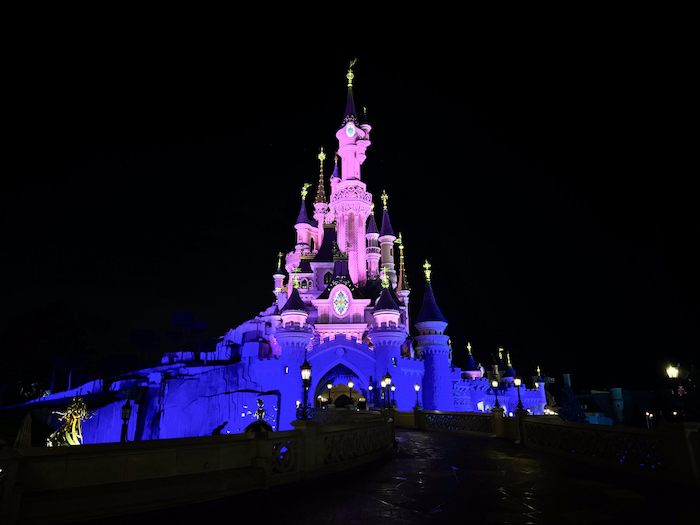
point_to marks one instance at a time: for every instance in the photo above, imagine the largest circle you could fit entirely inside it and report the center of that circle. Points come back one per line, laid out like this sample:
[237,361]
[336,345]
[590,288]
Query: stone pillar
[499,427]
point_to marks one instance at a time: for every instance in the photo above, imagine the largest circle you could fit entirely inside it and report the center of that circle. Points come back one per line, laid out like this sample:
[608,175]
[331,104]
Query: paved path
[449,478]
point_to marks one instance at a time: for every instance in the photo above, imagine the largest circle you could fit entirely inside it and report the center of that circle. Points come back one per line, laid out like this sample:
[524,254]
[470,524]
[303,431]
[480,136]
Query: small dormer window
[327,278]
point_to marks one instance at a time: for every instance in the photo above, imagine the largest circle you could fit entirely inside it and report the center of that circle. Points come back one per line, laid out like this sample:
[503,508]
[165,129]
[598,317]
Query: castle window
[312,244]
[327,278]
[393,360]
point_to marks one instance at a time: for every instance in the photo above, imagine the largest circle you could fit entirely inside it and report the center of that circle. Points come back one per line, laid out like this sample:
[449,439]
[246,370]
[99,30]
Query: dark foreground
[448,478]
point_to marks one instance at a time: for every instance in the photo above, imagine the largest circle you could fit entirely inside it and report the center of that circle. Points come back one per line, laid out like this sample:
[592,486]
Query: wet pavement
[449,478]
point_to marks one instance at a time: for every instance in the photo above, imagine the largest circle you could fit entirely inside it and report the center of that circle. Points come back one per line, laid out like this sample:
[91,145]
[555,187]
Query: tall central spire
[350,112]
[321,192]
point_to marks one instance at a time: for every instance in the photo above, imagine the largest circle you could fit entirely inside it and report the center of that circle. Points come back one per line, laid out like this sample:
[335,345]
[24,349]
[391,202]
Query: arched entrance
[340,393]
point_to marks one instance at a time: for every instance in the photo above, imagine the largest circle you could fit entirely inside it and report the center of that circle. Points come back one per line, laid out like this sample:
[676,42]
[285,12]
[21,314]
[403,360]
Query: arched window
[327,278]
[304,283]
[312,244]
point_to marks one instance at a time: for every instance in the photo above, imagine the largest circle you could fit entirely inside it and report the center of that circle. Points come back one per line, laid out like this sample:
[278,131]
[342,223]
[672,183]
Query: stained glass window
[341,303]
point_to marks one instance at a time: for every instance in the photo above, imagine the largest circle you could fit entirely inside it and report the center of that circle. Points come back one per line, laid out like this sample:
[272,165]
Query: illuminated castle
[342,304]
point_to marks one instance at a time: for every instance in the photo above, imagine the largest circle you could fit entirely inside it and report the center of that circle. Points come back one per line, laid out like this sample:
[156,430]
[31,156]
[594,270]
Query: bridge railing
[66,484]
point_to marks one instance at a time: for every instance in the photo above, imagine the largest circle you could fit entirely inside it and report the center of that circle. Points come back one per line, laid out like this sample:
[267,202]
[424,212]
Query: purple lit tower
[341,302]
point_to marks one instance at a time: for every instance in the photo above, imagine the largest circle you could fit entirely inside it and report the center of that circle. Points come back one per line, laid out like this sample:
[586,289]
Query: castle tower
[278,276]
[304,226]
[320,206]
[350,202]
[292,335]
[432,342]
[373,250]
[387,335]
[386,240]
[403,289]
[471,369]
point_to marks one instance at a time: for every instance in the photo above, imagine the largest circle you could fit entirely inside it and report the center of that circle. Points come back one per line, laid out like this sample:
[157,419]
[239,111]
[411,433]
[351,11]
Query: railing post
[499,427]
[520,416]
[421,422]
[307,446]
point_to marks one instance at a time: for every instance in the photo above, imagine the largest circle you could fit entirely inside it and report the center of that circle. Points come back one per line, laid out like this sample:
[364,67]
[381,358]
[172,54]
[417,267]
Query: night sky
[156,168]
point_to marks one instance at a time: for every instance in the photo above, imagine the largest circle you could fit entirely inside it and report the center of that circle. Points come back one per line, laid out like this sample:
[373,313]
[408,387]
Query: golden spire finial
[427,267]
[500,353]
[372,210]
[320,192]
[384,198]
[385,280]
[508,357]
[279,260]
[538,371]
[305,190]
[469,348]
[350,74]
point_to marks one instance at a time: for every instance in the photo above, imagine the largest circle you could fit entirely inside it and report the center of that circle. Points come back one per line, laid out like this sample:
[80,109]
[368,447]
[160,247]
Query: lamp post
[304,411]
[126,414]
[350,385]
[494,384]
[370,403]
[383,383]
[518,381]
[329,386]
[417,388]
[672,372]
[393,395]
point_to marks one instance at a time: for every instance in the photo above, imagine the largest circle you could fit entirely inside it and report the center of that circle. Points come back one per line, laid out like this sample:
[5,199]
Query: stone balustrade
[66,484]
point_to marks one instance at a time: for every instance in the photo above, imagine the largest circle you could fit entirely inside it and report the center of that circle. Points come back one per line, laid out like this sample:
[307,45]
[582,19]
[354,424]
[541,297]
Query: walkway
[448,478]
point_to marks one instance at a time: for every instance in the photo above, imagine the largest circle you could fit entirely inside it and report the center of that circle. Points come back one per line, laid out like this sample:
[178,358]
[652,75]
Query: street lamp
[494,384]
[673,372]
[126,414]
[383,383]
[329,385]
[518,381]
[305,411]
[370,402]
[350,385]
[417,388]
[393,391]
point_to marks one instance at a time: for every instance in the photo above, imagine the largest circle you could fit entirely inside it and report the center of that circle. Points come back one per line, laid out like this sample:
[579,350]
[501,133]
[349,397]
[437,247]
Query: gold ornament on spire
[403,278]
[279,260]
[538,371]
[384,198]
[469,348]
[508,358]
[385,280]
[350,74]
[305,190]
[427,267]
[321,192]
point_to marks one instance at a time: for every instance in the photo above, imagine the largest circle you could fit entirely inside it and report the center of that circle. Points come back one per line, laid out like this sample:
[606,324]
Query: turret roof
[325,251]
[429,311]
[295,302]
[303,217]
[350,112]
[387,300]
[386,225]
[372,225]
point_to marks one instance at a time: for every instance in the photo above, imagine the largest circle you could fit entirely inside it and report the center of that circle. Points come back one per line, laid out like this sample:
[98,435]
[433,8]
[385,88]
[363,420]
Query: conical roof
[372,225]
[303,217]
[386,225]
[387,301]
[350,112]
[295,302]
[429,311]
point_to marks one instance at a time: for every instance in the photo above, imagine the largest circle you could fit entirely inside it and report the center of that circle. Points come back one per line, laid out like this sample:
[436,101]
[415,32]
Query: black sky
[530,156]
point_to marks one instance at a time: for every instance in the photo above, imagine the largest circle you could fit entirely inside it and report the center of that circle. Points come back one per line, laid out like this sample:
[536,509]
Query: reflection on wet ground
[449,478]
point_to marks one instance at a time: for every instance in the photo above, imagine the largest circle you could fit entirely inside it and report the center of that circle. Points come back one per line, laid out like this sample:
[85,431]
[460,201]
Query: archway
[339,376]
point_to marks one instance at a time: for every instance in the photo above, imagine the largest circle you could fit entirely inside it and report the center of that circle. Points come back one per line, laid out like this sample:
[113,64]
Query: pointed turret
[350,112]
[386,240]
[374,253]
[278,276]
[429,311]
[432,343]
[303,217]
[510,373]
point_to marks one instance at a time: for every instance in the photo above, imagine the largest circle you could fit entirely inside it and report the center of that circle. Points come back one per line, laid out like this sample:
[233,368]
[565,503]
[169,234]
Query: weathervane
[350,74]
[305,190]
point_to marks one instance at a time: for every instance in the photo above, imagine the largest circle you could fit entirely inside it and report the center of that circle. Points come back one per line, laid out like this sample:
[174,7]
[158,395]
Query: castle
[341,305]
